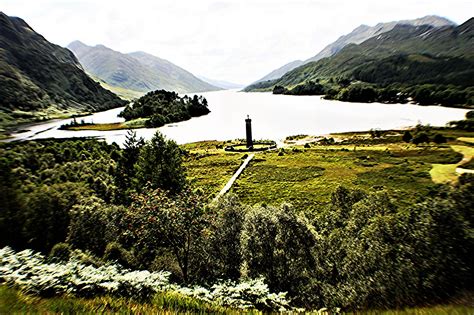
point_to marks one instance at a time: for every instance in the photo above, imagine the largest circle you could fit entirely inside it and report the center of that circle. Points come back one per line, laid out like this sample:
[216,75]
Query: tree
[421,137]
[160,165]
[125,172]
[407,137]
[375,133]
[277,243]
[158,220]
[439,139]
[11,206]
[94,224]
[278,89]
[222,257]
[47,214]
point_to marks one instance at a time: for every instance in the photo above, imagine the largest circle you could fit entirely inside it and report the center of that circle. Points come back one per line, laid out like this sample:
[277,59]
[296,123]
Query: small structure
[249,145]
[248,129]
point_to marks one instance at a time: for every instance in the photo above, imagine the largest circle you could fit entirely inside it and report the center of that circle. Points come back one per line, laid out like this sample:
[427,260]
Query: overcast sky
[233,40]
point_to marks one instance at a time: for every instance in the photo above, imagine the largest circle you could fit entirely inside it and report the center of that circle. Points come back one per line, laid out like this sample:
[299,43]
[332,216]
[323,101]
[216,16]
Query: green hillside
[358,35]
[405,56]
[41,80]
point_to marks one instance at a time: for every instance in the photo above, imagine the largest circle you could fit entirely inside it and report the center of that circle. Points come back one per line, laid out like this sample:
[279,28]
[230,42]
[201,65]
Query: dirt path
[448,173]
[234,177]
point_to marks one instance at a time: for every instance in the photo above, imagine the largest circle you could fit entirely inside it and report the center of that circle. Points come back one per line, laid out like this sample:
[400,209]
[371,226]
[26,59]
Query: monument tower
[248,129]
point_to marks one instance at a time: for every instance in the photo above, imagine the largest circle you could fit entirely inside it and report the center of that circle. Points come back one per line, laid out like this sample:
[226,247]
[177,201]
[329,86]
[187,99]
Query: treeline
[344,90]
[466,124]
[162,107]
[307,88]
[134,206]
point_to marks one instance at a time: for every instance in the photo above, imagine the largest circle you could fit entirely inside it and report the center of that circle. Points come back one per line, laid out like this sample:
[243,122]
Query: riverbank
[132,124]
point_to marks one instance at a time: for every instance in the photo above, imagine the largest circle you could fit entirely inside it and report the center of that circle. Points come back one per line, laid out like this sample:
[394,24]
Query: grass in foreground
[14,301]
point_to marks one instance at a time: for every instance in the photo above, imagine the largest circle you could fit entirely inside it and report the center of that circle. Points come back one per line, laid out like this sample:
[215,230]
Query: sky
[234,40]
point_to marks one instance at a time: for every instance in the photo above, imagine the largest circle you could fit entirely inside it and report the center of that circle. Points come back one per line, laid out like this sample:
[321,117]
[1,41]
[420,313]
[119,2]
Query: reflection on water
[273,117]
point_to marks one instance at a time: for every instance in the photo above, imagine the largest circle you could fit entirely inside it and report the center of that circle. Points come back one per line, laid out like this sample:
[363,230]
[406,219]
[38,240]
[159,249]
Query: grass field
[306,177]
[15,302]
[209,166]
[446,173]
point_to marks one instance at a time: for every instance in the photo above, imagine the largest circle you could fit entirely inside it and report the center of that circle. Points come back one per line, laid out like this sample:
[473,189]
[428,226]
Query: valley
[339,183]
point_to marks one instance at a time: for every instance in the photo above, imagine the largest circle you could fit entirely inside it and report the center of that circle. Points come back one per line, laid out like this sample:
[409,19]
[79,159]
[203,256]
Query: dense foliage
[162,107]
[466,124]
[307,88]
[359,251]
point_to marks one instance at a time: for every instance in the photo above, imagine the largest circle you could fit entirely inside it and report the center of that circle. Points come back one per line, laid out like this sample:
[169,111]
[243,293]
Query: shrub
[407,137]
[30,272]
[114,252]
[439,139]
[421,137]
[61,252]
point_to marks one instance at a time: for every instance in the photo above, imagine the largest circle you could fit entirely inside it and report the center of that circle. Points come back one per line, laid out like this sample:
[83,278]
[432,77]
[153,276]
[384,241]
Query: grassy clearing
[446,173]
[307,177]
[469,140]
[13,302]
[210,167]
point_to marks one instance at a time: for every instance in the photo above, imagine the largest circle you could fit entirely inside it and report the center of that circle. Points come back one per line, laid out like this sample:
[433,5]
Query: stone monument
[248,129]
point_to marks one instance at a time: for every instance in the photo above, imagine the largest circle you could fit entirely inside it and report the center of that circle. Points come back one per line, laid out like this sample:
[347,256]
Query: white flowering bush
[244,295]
[32,273]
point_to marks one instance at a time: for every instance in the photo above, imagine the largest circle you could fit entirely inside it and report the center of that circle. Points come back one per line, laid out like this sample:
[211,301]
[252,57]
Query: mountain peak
[77,44]
[434,20]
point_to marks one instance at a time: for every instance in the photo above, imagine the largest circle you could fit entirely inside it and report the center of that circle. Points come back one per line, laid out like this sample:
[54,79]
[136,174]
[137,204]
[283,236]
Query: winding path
[234,177]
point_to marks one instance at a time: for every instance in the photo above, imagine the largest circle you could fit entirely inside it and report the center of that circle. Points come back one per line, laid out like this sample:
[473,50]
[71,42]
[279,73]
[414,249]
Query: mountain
[357,36]
[137,71]
[41,79]
[398,51]
[364,32]
[221,84]
[278,73]
[418,62]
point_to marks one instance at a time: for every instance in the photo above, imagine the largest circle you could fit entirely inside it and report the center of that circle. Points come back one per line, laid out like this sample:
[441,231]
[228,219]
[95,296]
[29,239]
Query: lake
[273,117]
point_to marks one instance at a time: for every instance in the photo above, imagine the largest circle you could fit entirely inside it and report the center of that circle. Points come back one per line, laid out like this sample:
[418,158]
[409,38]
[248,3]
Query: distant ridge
[222,84]
[357,36]
[137,71]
